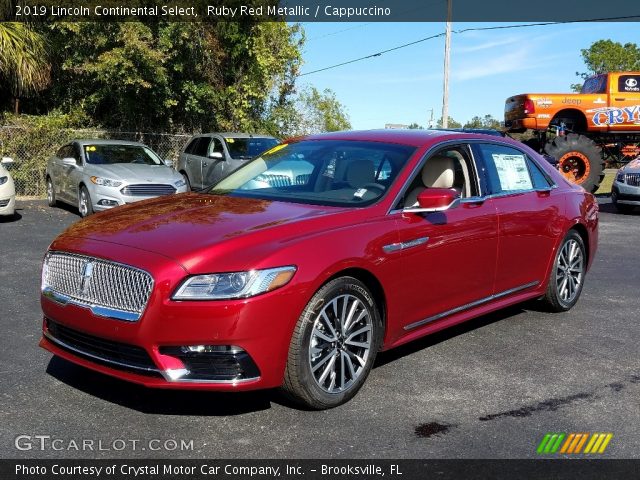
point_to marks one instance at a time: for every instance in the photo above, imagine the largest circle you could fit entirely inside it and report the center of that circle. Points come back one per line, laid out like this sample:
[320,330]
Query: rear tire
[566,278]
[333,346]
[579,160]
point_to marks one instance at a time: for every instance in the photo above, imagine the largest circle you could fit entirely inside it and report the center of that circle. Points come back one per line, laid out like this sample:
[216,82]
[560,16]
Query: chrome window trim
[470,305]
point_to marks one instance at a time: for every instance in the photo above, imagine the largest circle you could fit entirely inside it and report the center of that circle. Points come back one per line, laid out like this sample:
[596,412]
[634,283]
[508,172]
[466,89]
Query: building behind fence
[31,148]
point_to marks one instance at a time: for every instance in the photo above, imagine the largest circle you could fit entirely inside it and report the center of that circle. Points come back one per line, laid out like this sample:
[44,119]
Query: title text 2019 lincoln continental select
[297,269]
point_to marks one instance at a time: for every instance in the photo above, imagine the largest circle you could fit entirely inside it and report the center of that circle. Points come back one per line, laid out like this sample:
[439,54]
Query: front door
[449,257]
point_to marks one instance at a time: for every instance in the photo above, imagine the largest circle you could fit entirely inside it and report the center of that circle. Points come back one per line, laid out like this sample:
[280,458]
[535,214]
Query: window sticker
[512,171]
[360,192]
[90,148]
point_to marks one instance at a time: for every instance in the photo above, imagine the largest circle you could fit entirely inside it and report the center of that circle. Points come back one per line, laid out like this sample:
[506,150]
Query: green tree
[451,124]
[24,69]
[605,56]
[488,121]
[312,111]
[415,126]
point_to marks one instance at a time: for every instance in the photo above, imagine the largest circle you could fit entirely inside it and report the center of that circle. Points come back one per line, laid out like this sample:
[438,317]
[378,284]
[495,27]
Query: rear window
[597,84]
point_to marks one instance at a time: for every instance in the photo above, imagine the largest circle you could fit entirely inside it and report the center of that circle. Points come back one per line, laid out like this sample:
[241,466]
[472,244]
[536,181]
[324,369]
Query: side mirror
[7,161]
[168,162]
[216,156]
[71,162]
[435,200]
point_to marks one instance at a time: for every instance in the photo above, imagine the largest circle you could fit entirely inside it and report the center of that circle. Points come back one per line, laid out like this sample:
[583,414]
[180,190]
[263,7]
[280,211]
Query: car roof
[235,135]
[103,141]
[416,138]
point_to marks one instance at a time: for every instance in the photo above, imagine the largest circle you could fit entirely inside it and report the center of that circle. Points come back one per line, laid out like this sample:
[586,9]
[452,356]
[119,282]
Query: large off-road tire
[579,160]
[334,345]
[566,278]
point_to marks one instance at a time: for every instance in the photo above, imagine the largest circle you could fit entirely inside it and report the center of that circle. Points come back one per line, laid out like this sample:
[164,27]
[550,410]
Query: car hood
[132,172]
[193,228]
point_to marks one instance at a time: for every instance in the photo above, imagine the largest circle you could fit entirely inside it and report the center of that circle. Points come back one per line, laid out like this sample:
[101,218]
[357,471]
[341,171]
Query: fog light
[108,203]
[210,349]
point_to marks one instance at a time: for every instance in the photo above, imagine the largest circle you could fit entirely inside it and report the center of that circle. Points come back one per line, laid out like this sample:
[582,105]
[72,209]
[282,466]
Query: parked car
[96,175]
[7,189]
[208,158]
[625,190]
[391,236]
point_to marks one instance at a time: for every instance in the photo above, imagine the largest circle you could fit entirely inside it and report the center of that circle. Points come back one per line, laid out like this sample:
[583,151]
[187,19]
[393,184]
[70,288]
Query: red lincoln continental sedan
[297,269]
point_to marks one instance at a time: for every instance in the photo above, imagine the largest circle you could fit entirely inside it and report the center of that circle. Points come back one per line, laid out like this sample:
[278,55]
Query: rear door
[529,215]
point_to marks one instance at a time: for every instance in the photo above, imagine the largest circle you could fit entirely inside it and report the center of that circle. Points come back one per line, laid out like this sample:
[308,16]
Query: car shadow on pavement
[158,401]
[448,333]
[10,218]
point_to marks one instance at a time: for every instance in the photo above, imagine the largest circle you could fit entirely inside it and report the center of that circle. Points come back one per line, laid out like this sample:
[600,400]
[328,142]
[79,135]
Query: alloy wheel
[569,271]
[50,191]
[340,343]
[84,203]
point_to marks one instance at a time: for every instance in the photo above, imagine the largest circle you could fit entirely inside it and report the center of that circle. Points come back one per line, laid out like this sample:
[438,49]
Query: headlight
[220,286]
[105,182]
[620,177]
[3,180]
[180,183]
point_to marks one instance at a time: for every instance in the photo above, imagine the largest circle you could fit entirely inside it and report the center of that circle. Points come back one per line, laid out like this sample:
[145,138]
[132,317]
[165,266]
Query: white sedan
[7,189]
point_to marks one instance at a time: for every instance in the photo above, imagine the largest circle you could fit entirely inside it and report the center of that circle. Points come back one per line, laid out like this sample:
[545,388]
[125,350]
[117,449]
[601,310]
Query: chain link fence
[31,148]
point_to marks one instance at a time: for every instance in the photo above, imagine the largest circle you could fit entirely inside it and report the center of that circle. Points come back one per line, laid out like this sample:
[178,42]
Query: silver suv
[209,157]
[100,174]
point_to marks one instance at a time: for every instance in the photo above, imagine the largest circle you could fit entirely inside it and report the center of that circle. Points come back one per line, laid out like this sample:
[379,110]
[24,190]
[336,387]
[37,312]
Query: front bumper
[626,194]
[8,205]
[259,328]
[104,198]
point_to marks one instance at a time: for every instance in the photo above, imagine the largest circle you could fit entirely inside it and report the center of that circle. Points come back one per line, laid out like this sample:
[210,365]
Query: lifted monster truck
[601,123]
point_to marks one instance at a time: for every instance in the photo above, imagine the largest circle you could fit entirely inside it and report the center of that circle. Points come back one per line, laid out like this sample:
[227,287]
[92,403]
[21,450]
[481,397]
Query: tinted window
[202,147]
[217,146]
[249,147]
[597,84]
[64,152]
[191,146]
[324,172]
[629,83]
[506,168]
[540,180]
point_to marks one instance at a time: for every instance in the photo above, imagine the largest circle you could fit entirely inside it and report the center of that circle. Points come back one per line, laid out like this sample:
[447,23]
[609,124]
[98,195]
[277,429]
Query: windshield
[249,147]
[109,154]
[321,172]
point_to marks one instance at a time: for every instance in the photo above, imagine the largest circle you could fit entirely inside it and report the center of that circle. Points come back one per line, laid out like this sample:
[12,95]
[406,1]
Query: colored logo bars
[574,443]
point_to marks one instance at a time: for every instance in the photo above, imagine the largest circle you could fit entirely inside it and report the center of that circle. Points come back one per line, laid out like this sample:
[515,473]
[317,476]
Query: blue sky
[486,66]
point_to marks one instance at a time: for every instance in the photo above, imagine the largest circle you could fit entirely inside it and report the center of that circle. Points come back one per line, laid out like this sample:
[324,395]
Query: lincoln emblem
[87,271]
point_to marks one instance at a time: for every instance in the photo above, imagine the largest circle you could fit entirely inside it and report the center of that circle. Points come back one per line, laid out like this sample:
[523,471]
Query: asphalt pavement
[491,388]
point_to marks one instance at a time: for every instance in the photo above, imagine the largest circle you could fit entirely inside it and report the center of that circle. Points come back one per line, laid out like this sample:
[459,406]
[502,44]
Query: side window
[217,146]
[506,169]
[597,84]
[629,83]
[202,148]
[61,152]
[451,167]
[75,153]
[192,145]
[540,180]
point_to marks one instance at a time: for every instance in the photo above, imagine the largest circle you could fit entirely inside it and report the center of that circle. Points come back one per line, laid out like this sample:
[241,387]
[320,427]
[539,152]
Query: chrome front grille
[109,289]
[633,179]
[148,190]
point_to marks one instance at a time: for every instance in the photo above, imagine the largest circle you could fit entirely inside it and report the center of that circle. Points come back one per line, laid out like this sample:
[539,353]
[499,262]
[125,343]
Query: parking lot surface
[491,388]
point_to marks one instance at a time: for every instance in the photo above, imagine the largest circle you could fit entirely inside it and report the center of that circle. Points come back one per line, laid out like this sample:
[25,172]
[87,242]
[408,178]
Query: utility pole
[447,51]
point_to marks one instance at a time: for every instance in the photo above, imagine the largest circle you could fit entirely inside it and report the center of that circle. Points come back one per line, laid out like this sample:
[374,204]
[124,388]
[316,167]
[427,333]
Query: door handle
[204,164]
[620,99]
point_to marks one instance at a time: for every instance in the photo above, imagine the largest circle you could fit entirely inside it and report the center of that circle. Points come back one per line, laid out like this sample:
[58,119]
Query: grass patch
[607,181]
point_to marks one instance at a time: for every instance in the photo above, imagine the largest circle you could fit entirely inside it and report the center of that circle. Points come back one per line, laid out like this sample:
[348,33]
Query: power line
[475,29]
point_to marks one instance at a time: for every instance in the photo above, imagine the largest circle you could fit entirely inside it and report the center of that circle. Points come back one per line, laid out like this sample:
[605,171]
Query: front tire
[85,207]
[567,274]
[51,193]
[579,160]
[620,207]
[334,345]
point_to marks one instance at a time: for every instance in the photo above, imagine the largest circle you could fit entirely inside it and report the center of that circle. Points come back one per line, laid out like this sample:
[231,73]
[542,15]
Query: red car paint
[476,251]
